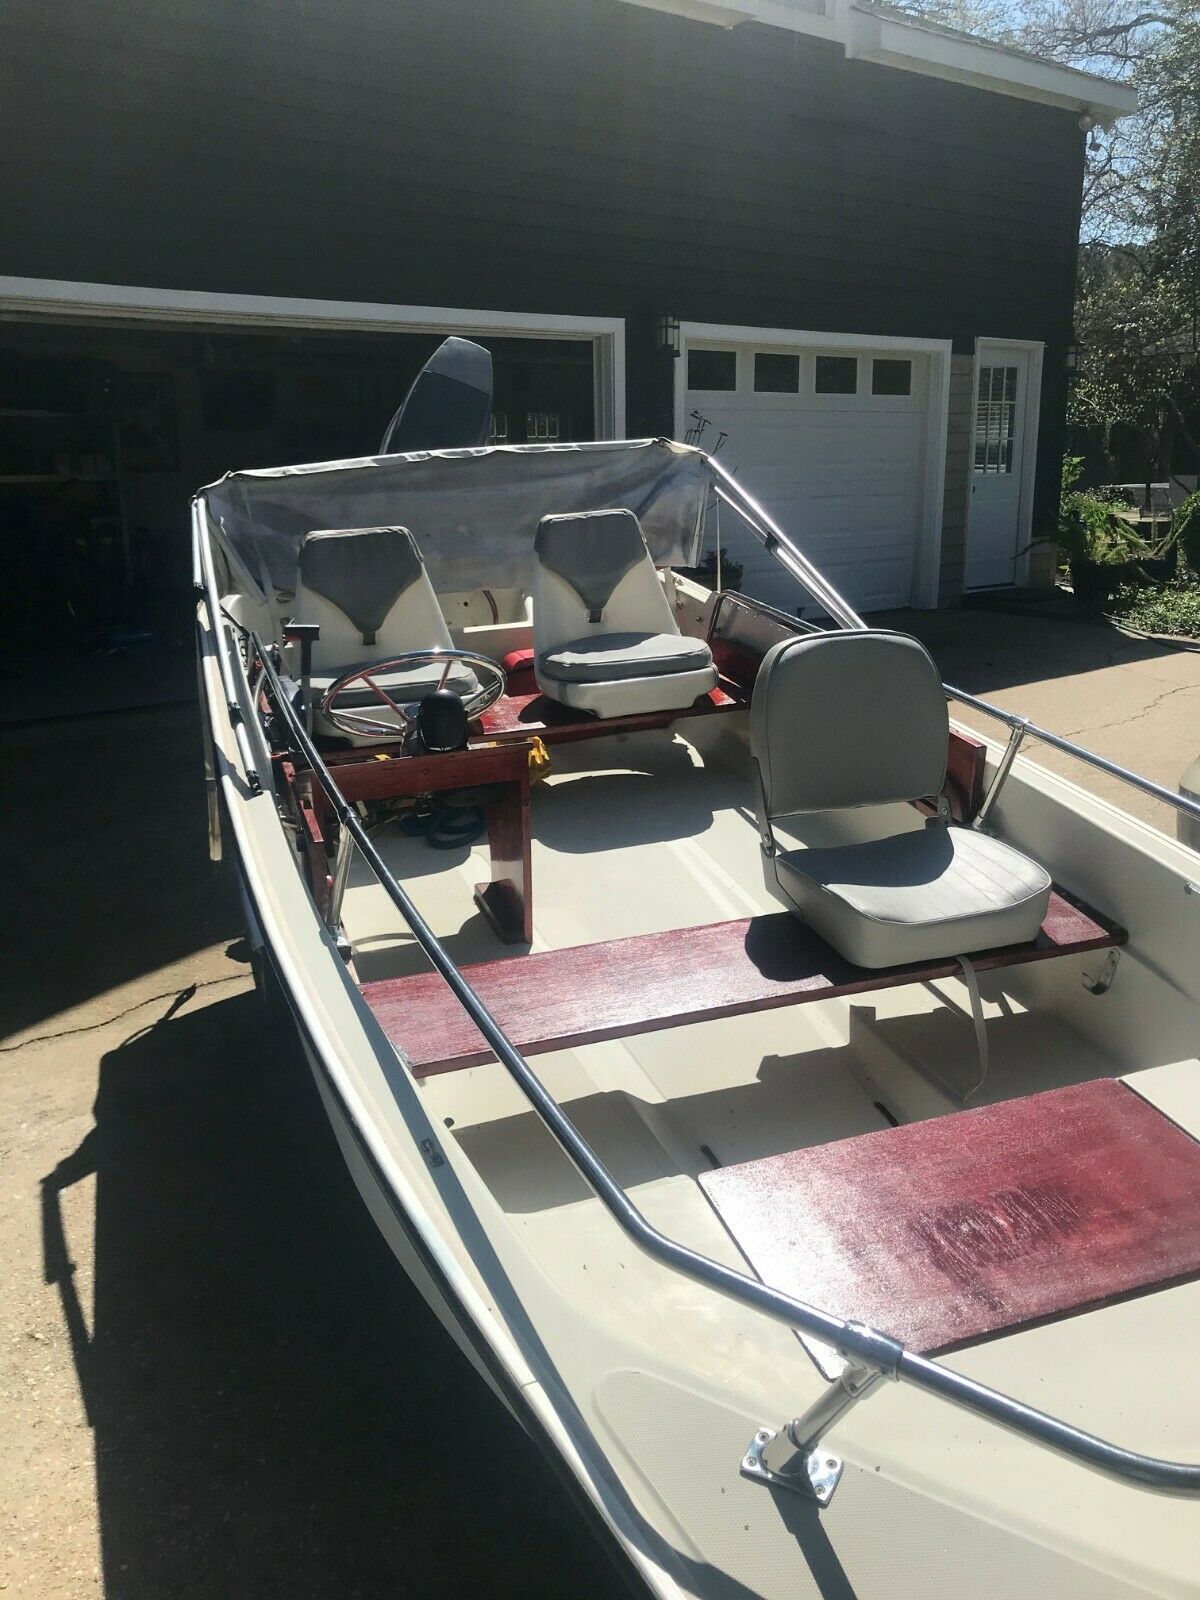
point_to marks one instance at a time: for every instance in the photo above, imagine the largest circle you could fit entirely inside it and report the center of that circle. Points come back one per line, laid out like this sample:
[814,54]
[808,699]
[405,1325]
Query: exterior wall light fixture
[666,335]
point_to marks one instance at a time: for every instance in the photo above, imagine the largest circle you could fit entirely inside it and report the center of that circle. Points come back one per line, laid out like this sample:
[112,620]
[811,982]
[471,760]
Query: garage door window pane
[891,377]
[776,374]
[712,369]
[837,374]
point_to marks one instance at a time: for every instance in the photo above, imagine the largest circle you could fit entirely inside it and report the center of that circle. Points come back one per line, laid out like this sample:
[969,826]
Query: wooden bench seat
[945,1232]
[561,998]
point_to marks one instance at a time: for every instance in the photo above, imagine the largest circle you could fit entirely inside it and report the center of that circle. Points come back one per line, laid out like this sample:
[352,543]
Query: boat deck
[648,833]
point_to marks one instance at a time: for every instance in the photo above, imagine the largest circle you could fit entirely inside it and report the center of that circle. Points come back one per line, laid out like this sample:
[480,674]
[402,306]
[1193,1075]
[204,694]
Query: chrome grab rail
[871,1353]
[1022,728]
[204,583]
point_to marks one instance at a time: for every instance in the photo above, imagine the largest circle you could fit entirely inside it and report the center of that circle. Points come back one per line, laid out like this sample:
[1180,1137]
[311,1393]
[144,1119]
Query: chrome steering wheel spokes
[428,671]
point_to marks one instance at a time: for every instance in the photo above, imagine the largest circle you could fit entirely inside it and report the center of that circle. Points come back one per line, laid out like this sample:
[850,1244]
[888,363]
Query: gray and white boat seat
[604,637]
[368,591]
[859,719]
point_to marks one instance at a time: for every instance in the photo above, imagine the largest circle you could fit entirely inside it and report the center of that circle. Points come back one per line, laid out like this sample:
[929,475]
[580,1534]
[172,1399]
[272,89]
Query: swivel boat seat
[844,720]
[604,637]
[369,594]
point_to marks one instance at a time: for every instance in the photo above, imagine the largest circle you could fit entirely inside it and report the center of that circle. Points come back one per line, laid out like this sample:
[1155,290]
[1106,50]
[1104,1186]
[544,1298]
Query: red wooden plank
[507,901]
[621,987]
[965,762]
[309,837]
[389,775]
[943,1232]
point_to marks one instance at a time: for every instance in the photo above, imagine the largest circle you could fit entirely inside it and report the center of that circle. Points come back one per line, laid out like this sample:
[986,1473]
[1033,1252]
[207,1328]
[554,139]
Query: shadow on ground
[275,1410]
[112,873]
[984,651]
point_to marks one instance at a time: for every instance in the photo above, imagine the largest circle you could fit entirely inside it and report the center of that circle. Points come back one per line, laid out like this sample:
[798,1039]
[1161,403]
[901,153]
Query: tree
[1138,304]
[1137,313]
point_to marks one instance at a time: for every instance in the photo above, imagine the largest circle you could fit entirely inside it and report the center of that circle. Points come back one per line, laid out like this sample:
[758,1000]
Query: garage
[841,440]
[111,417]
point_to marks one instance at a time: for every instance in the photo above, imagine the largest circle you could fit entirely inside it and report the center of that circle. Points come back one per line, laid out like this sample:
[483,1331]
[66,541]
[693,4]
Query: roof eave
[897,43]
[866,34]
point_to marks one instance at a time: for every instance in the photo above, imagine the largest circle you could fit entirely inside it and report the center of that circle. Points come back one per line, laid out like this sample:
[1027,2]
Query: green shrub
[1089,528]
[1172,607]
[1185,527]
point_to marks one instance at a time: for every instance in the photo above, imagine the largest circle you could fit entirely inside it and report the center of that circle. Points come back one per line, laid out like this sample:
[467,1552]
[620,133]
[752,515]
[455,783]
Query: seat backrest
[592,574]
[848,719]
[370,593]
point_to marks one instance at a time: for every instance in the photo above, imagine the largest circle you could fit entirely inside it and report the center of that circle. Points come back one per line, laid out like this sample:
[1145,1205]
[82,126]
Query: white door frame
[1035,350]
[927,573]
[55,297]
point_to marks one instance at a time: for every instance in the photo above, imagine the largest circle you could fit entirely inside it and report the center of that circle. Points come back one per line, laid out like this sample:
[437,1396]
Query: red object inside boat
[560,998]
[518,668]
[944,1232]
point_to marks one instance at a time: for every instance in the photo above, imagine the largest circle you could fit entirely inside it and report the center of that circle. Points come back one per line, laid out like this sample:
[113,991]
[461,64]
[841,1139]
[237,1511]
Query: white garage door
[832,442]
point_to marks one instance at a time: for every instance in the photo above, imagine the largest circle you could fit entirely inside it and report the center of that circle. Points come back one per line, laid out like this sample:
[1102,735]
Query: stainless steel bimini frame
[790,1457]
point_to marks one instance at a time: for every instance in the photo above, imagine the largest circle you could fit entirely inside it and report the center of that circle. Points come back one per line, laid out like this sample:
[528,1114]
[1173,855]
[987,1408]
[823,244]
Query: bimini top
[473,512]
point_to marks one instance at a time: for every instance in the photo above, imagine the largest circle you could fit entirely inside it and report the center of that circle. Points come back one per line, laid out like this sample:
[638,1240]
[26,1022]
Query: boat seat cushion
[361,571]
[605,636]
[591,551]
[841,720]
[605,657]
[916,896]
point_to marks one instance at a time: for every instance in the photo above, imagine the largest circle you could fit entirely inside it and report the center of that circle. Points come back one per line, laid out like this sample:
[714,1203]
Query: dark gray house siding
[574,156]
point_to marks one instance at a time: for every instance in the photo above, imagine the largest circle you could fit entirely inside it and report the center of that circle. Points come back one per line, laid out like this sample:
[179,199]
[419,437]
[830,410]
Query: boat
[787,1099]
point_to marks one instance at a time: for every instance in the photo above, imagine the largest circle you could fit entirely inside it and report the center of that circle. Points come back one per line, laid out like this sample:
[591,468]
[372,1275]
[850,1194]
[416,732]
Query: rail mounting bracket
[816,1476]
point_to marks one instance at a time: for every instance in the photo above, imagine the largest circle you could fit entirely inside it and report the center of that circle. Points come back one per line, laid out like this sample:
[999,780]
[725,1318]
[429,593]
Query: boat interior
[832,1005]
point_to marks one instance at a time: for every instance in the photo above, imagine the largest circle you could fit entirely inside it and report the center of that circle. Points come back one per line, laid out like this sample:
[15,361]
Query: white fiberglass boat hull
[645,1387]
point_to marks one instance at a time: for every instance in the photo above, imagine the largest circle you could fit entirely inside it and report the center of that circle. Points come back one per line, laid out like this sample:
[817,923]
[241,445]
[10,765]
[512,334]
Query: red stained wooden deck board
[582,995]
[940,1233]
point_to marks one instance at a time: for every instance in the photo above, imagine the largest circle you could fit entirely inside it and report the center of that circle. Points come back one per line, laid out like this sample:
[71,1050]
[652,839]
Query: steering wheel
[490,685]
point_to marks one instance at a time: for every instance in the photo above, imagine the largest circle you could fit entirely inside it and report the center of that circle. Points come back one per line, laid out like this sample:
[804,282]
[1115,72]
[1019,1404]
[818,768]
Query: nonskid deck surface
[638,866]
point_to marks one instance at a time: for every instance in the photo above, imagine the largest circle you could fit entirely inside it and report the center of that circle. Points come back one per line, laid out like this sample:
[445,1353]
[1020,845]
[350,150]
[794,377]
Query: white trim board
[1035,349]
[55,297]
[927,567]
[870,33]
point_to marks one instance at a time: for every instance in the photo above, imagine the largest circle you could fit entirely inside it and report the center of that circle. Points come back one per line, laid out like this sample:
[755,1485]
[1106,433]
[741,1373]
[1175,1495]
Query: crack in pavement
[179,996]
[1120,722]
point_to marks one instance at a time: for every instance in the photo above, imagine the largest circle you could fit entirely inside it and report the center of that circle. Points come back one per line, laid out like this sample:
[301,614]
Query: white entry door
[996,530]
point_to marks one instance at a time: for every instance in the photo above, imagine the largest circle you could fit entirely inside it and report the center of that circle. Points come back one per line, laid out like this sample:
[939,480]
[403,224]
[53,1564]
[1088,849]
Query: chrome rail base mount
[792,1457]
[815,1475]
[1101,982]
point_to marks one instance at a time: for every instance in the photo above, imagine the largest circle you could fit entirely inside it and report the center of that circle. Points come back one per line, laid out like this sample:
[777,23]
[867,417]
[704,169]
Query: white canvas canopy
[472,512]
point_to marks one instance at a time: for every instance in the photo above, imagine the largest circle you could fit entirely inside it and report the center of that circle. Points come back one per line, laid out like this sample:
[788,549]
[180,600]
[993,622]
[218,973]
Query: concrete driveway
[214,1380]
[1131,700]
